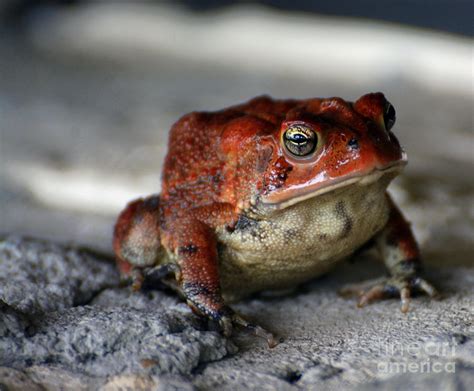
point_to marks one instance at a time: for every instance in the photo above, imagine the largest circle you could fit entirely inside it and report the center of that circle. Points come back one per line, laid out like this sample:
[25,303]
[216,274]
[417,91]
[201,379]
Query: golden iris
[300,140]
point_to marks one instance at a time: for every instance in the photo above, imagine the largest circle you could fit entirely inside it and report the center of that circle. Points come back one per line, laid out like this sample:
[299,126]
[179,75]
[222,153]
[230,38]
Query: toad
[269,194]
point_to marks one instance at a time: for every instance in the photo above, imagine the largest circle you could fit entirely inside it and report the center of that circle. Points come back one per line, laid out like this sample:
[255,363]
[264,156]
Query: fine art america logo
[417,357]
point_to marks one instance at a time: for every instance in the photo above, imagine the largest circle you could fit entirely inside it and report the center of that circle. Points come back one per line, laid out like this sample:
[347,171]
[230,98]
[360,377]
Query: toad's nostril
[353,144]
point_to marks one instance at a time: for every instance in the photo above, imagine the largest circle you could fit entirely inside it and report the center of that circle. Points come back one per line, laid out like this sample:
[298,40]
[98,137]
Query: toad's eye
[389,116]
[300,140]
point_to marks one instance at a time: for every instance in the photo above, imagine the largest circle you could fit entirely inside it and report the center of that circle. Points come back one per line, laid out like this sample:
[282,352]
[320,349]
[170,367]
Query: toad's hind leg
[136,242]
[401,255]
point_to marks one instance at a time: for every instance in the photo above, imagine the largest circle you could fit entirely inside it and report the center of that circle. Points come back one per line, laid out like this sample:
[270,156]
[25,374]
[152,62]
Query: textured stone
[115,333]
[54,378]
[15,380]
[38,277]
[101,342]
[142,382]
[330,344]
[463,379]
[98,334]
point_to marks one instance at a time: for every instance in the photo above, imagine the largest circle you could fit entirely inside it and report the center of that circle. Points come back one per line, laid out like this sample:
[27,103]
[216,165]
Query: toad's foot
[374,290]
[232,319]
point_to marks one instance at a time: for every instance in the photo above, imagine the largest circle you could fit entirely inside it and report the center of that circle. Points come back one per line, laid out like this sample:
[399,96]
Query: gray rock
[330,344]
[38,277]
[44,377]
[118,333]
[12,379]
[462,379]
[108,337]
[103,342]
[51,378]
[145,382]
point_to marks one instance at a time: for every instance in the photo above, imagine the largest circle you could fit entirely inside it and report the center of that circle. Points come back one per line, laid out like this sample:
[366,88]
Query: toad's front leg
[401,256]
[194,245]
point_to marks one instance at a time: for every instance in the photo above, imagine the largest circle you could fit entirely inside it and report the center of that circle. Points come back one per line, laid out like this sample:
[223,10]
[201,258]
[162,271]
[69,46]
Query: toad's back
[195,171]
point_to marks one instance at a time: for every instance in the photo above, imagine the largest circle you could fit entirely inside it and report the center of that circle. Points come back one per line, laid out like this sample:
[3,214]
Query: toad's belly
[301,242]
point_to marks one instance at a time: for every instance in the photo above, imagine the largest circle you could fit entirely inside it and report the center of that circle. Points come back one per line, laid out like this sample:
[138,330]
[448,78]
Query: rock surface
[99,335]
[62,310]
[39,277]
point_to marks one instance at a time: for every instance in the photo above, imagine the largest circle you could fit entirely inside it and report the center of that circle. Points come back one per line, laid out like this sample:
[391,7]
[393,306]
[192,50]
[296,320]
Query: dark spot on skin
[391,291]
[205,300]
[193,289]
[277,176]
[341,212]
[187,250]
[245,223]
[217,178]
[263,235]
[347,227]
[248,226]
[290,235]
[353,144]
[322,236]
[409,266]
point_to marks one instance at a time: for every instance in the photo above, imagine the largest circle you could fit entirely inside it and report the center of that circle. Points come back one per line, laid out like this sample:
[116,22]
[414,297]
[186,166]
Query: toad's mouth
[293,195]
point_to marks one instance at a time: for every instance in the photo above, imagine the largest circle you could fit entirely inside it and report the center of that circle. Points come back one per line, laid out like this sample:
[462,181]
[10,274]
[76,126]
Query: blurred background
[89,90]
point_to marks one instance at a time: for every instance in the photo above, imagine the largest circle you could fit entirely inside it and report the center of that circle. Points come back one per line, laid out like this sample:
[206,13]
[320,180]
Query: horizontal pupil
[299,142]
[298,138]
